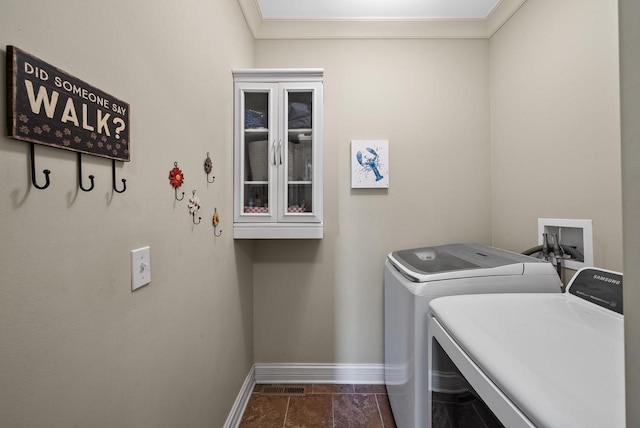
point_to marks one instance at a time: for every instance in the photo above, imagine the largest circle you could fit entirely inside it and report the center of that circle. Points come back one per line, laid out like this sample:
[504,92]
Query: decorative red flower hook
[176,178]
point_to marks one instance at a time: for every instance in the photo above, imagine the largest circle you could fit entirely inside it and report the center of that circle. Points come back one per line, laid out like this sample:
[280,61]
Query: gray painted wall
[77,347]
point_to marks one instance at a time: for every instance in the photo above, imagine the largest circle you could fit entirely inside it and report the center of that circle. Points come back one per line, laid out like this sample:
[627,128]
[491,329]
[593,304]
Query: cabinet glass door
[257,130]
[299,166]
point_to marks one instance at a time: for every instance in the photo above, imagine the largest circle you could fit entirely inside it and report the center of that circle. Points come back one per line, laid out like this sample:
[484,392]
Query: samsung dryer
[539,360]
[412,278]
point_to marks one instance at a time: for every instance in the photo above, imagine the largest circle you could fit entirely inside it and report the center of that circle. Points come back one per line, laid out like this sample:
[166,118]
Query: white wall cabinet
[278,154]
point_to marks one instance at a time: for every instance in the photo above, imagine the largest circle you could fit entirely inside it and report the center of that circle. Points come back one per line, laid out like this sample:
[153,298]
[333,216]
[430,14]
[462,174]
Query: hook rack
[91,177]
[124,181]
[33,171]
[81,185]
[208,167]
[194,206]
[216,220]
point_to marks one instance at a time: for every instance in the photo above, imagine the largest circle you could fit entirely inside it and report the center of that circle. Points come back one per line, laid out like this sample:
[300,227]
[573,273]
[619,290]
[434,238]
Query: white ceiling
[335,19]
[359,9]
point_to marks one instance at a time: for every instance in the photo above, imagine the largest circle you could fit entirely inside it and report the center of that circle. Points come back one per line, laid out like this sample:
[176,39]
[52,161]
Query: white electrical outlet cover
[140,267]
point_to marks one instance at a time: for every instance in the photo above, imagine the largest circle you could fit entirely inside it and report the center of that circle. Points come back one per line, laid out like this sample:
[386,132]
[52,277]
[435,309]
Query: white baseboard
[235,415]
[319,373]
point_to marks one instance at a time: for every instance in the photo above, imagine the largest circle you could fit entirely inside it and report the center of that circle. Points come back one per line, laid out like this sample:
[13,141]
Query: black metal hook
[33,171]
[91,177]
[178,171]
[208,166]
[216,220]
[196,207]
[124,181]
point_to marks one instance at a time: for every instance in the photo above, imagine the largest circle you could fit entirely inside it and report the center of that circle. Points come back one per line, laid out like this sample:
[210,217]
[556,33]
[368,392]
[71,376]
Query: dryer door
[454,402]
[455,380]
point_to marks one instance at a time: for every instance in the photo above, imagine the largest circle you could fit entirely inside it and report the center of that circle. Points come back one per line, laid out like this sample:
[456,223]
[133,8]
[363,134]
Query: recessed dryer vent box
[574,233]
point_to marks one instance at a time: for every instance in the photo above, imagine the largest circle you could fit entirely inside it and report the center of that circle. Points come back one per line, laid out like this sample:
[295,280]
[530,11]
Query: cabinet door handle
[280,148]
[273,150]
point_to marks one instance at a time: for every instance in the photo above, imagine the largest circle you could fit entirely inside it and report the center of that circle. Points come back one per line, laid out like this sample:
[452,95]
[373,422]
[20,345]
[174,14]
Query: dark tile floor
[318,406]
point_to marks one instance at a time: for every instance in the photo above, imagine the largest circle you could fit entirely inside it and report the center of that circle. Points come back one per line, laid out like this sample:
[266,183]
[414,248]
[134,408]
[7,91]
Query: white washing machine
[412,278]
[554,360]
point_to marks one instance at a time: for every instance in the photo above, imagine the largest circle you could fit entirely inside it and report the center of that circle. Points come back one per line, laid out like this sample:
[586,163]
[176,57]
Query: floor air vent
[283,390]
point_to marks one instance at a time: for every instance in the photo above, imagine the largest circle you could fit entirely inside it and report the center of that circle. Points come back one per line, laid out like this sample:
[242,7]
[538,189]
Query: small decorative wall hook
[176,178]
[91,177]
[208,167]
[124,181]
[46,172]
[194,206]
[216,220]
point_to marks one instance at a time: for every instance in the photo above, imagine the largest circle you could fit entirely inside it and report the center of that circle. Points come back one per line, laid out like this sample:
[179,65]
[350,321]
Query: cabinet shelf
[294,131]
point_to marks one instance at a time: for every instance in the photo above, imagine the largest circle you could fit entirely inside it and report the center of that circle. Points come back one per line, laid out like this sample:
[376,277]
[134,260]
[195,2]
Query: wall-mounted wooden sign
[51,107]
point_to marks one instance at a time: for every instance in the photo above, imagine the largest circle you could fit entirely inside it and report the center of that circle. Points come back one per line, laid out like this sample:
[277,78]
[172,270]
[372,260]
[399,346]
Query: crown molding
[403,28]
[501,14]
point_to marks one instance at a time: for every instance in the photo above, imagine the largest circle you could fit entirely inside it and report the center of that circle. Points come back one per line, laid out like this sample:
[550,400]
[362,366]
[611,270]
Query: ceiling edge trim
[501,14]
[252,15]
[262,28]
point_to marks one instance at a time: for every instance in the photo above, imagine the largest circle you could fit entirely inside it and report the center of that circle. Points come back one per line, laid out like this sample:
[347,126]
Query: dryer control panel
[598,286]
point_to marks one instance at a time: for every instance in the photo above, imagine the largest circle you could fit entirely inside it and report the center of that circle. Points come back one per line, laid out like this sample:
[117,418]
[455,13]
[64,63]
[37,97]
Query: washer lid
[557,357]
[461,260]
